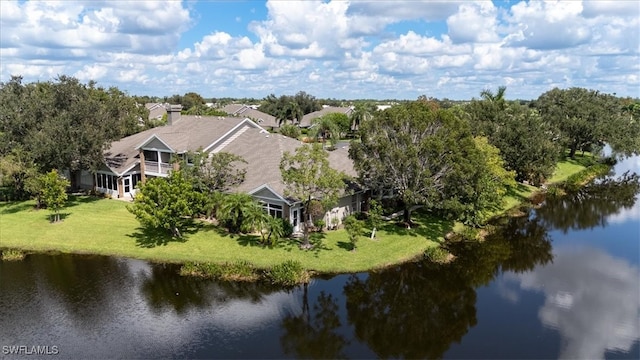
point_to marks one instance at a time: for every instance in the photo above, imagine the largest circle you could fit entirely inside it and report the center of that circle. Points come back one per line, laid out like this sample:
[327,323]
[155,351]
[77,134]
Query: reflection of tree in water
[590,206]
[413,311]
[86,284]
[164,288]
[312,334]
[417,310]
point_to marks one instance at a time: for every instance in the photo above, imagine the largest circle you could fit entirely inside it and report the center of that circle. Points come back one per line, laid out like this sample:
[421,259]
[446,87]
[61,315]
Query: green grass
[102,226]
[568,167]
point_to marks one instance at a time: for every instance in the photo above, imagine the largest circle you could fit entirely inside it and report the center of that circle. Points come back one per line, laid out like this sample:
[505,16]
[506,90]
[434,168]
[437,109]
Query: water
[561,282]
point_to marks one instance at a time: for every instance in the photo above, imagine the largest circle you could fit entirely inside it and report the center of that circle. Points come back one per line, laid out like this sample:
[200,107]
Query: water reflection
[312,333]
[592,299]
[592,205]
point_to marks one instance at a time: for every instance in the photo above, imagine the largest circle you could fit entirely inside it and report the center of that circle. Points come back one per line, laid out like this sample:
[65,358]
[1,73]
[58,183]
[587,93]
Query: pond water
[562,281]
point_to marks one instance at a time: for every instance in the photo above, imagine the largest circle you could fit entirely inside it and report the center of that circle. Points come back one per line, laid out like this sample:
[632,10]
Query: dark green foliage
[290,108]
[527,143]
[234,211]
[166,203]
[307,177]
[213,172]
[424,156]
[588,118]
[375,217]
[64,124]
[354,229]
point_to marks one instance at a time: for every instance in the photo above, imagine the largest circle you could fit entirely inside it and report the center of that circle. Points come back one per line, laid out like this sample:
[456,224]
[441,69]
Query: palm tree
[234,209]
[291,111]
[361,112]
[497,98]
[324,127]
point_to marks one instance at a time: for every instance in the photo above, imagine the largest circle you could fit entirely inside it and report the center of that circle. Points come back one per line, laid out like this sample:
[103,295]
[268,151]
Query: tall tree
[308,176]
[587,118]
[362,112]
[414,152]
[166,203]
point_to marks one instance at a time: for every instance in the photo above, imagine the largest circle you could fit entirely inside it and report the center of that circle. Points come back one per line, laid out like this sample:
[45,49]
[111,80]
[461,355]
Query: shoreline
[395,245]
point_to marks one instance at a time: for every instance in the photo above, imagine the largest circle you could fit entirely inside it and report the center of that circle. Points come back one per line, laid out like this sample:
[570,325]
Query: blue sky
[337,49]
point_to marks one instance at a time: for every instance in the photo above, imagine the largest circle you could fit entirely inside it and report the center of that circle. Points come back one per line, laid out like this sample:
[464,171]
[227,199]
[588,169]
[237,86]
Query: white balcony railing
[157,167]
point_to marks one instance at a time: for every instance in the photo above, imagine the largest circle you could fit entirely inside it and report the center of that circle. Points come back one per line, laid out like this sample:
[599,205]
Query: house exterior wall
[346,206]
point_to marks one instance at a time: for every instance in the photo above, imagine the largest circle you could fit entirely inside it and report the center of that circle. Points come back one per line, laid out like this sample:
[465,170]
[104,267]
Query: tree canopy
[166,203]
[424,157]
[308,176]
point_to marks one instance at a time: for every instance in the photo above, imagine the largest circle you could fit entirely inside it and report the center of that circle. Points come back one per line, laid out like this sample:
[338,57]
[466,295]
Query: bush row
[288,273]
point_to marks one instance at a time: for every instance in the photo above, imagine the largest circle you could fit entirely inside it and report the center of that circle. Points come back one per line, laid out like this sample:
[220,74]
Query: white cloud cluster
[594,304]
[380,49]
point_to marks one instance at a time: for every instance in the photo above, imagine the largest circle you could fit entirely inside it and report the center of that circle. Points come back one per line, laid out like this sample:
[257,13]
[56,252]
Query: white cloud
[383,49]
[594,304]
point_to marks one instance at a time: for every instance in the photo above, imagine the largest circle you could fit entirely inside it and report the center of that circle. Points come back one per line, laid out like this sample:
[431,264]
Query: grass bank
[101,226]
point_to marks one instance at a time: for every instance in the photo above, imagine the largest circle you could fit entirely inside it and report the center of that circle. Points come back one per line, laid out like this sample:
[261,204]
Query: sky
[329,49]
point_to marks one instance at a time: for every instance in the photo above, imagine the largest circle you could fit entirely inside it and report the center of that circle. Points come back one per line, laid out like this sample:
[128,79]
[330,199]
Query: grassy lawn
[102,226]
[568,167]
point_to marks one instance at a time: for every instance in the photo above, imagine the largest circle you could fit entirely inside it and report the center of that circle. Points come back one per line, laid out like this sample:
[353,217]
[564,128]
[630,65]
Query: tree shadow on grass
[75,200]
[241,238]
[49,216]
[423,224]
[152,237]
[15,207]
[345,245]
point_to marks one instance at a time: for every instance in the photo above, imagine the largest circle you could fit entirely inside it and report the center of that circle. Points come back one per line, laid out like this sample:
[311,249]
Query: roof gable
[155,143]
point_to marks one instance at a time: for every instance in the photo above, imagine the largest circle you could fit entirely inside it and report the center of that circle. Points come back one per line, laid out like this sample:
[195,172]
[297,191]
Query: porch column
[159,162]
[142,175]
[120,187]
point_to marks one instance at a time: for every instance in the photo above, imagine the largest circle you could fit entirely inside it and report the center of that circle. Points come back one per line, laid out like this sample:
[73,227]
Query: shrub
[291,131]
[287,228]
[354,229]
[288,273]
[319,224]
[437,254]
[12,255]
[240,270]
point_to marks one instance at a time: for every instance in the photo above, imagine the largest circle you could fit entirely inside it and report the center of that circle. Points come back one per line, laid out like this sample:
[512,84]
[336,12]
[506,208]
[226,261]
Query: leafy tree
[414,152]
[54,192]
[489,183]
[64,124]
[214,172]
[16,170]
[191,99]
[587,118]
[308,176]
[354,228]
[166,203]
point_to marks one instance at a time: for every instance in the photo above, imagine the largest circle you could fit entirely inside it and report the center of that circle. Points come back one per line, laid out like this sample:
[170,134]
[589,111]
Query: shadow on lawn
[424,225]
[15,207]
[152,237]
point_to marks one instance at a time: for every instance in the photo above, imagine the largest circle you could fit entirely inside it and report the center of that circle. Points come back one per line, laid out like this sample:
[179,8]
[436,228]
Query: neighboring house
[250,111]
[150,153]
[156,110]
[307,120]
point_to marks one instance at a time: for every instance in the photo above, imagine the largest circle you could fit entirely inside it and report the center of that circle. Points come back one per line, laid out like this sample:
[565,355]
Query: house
[156,110]
[150,153]
[307,120]
[251,112]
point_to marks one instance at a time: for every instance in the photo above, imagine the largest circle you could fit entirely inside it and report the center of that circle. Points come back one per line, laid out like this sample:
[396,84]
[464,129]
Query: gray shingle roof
[187,134]
[245,111]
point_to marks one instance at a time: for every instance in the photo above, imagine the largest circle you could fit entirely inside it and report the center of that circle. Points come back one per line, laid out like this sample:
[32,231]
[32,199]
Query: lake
[563,281]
